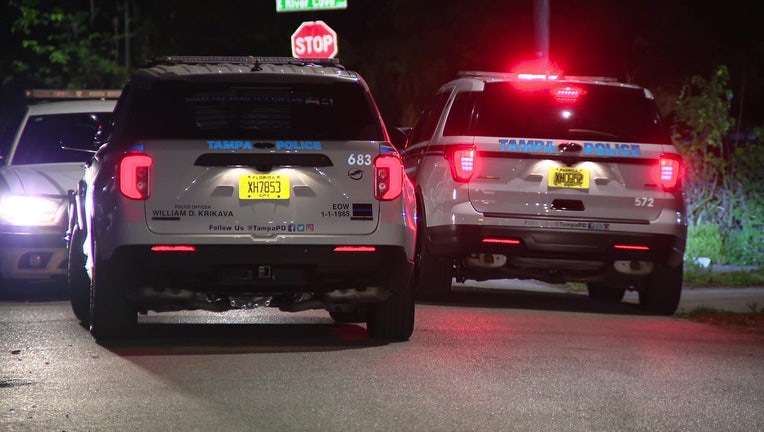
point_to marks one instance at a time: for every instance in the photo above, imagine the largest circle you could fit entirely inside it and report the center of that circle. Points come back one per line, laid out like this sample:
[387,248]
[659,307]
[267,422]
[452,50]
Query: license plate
[264,186]
[566,177]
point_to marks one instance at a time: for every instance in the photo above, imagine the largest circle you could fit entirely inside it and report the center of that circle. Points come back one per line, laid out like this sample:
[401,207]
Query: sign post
[314,39]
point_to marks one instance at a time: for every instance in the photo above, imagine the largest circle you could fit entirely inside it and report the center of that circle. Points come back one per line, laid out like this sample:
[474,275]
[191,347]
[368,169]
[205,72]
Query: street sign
[309,5]
[314,39]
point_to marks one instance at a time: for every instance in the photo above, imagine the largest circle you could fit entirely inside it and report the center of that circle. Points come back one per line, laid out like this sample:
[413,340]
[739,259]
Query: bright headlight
[28,210]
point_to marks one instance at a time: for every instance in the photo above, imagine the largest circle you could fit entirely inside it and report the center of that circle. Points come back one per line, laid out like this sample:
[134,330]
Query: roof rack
[72,94]
[244,60]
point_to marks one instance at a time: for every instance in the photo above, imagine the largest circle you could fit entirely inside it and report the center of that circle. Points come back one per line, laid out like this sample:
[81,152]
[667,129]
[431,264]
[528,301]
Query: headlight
[28,210]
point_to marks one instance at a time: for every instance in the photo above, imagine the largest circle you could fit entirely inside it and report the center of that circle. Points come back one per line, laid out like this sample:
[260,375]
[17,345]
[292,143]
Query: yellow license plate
[566,177]
[264,186]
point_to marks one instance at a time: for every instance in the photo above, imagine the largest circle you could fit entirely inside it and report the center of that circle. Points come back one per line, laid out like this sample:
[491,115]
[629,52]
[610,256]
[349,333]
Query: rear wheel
[111,315]
[433,275]
[604,292]
[78,283]
[393,319]
[661,290]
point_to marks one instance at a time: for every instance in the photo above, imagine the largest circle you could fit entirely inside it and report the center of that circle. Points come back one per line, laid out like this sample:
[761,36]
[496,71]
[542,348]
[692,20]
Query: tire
[433,275]
[111,315]
[77,280]
[605,293]
[393,319]
[661,290]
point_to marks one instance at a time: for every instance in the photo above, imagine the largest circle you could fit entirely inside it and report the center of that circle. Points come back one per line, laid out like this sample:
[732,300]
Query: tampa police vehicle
[42,159]
[525,175]
[238,182]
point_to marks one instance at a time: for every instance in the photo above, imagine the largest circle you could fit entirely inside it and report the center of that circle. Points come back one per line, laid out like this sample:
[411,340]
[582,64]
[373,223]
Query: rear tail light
[668,171]
[462,160]
[388,177]
[505,241]
[135,176]
[631,247]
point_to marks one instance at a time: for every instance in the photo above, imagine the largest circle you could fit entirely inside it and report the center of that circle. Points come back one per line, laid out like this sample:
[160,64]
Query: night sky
[406,48]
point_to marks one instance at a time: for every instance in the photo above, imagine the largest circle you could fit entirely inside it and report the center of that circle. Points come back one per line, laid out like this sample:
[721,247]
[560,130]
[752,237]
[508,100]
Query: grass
[698,277]
[750,321]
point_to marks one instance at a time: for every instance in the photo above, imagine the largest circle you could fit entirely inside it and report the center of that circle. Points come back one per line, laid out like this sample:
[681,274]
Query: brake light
[388,177]
[631,247]
[462,160]
[173,248]
[568,94]
[135,176]
[668,171]
[506,241]
[355,249]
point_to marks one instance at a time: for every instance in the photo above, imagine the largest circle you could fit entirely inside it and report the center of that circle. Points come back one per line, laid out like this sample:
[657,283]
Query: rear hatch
[259,154]
[568,150]
[263,189]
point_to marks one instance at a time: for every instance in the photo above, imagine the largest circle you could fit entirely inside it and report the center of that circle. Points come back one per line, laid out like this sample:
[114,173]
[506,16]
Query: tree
[65,46]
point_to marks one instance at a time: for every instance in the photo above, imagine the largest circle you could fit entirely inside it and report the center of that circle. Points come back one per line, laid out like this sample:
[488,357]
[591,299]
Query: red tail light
[668,171]
[388,177]
[506,241]
[462,160]
[135,176]
[173,248]
[355,249]
[631,247]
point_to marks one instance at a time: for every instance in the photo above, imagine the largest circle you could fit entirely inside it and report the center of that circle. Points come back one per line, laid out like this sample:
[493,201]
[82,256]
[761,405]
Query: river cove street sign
[309,5]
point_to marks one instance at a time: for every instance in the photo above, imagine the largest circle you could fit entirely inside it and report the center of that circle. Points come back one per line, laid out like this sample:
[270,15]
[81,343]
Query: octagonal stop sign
[314,39]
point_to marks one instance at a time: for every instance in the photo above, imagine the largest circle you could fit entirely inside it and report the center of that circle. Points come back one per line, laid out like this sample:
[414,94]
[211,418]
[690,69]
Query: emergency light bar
[72,94]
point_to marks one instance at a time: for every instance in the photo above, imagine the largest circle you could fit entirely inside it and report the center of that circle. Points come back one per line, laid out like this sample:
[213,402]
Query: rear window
[601,112]
[204,110]
[44,136]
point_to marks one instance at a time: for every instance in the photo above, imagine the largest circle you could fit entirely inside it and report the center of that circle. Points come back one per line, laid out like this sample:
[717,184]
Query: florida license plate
[567,177]
[264,186]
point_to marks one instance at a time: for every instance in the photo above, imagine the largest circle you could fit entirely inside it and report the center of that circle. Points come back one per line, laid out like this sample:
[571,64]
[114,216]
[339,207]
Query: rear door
[566,150]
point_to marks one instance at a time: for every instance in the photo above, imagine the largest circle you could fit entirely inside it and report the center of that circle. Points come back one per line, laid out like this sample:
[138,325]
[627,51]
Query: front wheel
[393,319]
[78,282]
[661,290]
[111,315]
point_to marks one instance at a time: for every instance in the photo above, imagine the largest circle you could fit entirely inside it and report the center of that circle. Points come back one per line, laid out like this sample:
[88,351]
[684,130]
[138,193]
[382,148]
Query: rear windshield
[204,110]
[44,136]
[600,112]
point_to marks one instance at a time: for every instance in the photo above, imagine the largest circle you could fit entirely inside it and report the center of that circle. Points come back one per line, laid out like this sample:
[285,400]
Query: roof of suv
[167,67]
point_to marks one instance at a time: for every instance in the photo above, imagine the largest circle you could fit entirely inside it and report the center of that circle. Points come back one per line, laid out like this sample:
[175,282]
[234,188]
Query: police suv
[43,154]
[523,175]
[239,182]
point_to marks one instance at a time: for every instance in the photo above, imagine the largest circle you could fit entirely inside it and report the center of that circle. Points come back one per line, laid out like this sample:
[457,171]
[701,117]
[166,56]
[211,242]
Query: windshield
[44,135]
[602,112]
[179,110]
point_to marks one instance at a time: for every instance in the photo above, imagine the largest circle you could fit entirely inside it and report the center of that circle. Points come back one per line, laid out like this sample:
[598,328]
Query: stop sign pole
[314,39]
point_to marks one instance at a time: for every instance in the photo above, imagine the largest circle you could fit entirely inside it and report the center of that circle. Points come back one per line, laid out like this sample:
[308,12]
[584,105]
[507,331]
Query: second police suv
[523,175]
[238,182]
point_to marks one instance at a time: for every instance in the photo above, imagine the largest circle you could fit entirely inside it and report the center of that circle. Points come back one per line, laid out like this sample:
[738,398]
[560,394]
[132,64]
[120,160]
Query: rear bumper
[461,240]
[262,269]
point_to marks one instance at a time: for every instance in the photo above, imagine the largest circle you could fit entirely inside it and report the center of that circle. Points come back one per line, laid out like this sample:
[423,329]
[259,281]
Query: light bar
[72,94]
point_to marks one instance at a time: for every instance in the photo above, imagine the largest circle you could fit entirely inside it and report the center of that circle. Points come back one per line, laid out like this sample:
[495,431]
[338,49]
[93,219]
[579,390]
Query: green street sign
[309,5]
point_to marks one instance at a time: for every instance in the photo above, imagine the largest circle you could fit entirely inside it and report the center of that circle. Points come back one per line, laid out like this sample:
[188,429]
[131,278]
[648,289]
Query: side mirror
[399,136]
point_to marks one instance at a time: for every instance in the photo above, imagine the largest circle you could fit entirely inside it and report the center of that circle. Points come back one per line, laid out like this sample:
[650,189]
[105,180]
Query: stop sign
[314,39]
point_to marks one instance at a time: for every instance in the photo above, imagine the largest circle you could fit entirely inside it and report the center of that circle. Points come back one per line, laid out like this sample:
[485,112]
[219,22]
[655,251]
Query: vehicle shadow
[472,296]
[34,292]
[185,338]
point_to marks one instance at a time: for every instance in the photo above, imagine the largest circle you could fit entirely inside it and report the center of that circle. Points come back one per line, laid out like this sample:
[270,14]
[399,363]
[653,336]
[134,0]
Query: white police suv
[522,175]
[239,182]
[43,158]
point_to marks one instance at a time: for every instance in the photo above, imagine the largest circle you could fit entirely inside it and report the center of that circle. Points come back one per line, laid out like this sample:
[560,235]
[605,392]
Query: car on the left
[41,160]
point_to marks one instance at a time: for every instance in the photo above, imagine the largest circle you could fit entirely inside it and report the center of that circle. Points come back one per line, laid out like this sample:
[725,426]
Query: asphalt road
[488,360]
